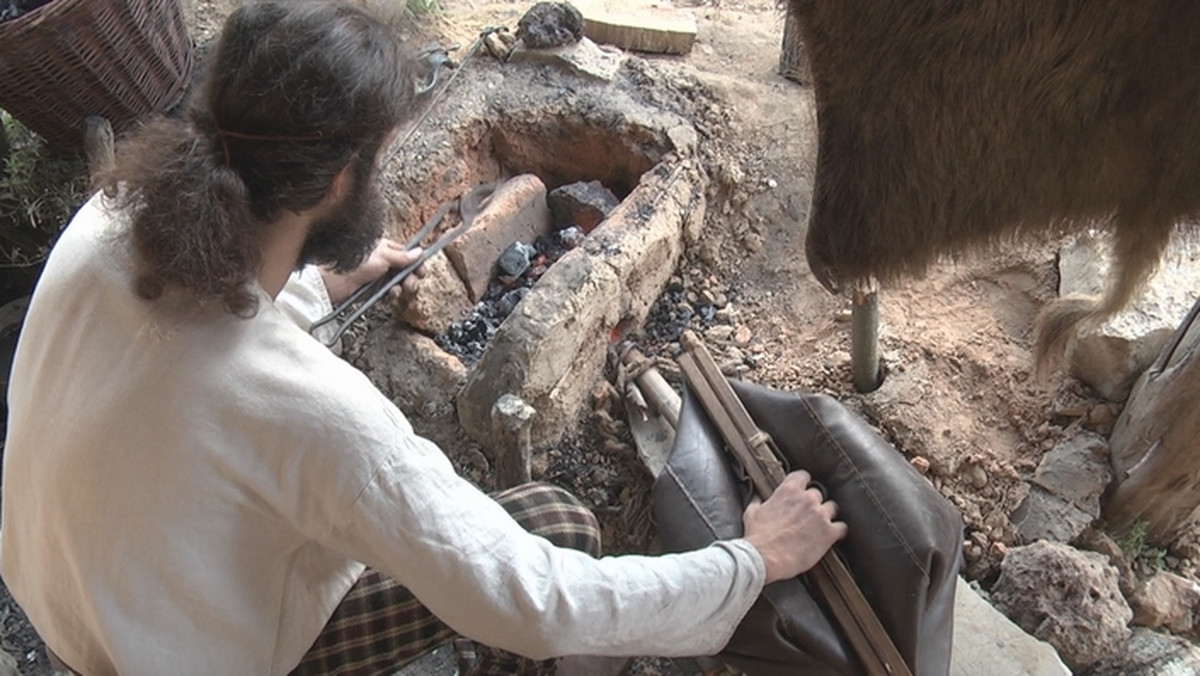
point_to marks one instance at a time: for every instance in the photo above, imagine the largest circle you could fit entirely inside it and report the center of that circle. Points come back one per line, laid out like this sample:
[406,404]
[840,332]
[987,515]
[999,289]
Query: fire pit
[555,127]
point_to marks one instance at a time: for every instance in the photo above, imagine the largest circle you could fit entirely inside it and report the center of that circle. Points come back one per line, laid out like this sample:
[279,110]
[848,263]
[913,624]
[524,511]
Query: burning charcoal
[570,236]
[550,24]
[508,302]
[550,247]
[584,204]
[515,259]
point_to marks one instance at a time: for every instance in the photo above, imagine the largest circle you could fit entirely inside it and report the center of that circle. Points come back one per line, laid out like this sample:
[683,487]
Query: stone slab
[582,58]
[639,27]
[986,643]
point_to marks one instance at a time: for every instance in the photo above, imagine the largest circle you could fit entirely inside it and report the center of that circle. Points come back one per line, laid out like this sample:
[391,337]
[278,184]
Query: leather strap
[759,458]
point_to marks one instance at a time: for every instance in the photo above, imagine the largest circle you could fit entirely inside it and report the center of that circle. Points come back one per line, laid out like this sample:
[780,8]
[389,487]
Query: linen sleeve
[303,298]
[475,568]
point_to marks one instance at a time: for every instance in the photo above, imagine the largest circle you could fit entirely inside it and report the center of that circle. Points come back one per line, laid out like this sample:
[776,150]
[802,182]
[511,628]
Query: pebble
[753,242]
[1101,414]
[720,332]
[714,298]
[734,354]
[742,335]
[772,183]
[920,463]
[1071,411]
[976,475]
[998,550]
[725,315]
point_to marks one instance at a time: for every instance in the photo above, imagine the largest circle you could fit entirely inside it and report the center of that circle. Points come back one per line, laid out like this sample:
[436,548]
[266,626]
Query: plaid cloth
[379,625]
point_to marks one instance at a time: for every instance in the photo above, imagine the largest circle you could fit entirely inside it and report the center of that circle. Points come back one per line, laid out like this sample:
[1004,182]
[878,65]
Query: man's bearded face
[343,239]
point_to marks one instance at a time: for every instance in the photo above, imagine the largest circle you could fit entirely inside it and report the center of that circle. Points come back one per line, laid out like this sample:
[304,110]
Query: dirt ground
[960,397]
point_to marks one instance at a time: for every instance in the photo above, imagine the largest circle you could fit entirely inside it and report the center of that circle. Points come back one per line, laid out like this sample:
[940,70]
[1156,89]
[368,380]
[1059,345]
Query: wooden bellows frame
[758,456]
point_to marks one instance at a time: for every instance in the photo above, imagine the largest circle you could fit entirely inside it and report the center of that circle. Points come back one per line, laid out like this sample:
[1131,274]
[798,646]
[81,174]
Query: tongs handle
[467,206]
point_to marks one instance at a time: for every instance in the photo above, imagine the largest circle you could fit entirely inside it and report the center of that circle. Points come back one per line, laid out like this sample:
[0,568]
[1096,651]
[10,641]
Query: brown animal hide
[948,124]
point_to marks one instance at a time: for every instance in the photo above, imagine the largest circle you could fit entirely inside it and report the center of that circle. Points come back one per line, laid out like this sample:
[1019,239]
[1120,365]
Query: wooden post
[1154,443]
[511,419]
[4,146]
[98,145]
[864,339]
[793,57]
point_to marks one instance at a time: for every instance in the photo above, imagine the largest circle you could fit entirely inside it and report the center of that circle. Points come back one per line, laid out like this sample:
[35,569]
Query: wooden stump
[4,146]
[1156,440]
[793,57]
[98,145]
[511,418]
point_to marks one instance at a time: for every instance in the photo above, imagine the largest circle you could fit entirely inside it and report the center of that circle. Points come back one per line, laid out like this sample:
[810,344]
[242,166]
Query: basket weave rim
[36,16]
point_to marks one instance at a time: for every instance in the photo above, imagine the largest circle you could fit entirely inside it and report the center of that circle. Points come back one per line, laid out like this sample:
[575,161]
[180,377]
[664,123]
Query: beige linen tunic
[189,492]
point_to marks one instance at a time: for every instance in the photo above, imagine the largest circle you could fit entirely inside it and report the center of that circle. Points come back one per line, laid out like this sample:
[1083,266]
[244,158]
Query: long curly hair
[294,93]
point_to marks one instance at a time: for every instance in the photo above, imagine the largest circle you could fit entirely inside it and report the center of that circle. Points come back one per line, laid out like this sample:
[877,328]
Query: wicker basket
[69,59]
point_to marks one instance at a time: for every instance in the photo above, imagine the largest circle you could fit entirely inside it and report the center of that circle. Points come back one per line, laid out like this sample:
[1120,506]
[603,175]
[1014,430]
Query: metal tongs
[467,206]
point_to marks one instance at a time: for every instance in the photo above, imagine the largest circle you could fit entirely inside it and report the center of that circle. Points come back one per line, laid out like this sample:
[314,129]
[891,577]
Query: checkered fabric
[379,625]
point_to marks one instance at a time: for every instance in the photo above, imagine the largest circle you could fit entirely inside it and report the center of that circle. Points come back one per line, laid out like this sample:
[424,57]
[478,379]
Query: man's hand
[793,529]
[387,255]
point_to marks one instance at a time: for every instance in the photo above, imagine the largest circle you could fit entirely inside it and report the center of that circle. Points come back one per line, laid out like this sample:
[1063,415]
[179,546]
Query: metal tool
[467,206]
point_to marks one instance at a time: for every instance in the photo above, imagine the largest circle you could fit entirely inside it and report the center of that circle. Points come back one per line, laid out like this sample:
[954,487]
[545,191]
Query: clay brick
[516,211]
[439,299]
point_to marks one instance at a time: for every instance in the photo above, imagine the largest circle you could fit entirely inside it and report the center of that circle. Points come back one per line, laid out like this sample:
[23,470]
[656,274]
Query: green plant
[1136,545]
[39,190]
[418,9]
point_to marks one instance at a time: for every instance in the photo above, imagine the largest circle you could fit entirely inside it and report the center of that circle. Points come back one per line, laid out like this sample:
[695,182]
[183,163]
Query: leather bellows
[903,548]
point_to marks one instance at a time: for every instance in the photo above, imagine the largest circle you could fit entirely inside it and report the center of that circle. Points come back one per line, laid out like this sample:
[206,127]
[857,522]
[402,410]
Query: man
[192,484]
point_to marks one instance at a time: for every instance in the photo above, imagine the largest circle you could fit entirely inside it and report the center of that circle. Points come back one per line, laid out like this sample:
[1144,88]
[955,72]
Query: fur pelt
[949,124]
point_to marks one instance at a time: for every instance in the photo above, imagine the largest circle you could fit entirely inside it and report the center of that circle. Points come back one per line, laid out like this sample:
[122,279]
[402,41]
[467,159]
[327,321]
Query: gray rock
[584,204]
[1166,600]
[550,24]
[1064,496]
[1066,597]
[1149,653]
[1045,516]
[1109,357]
